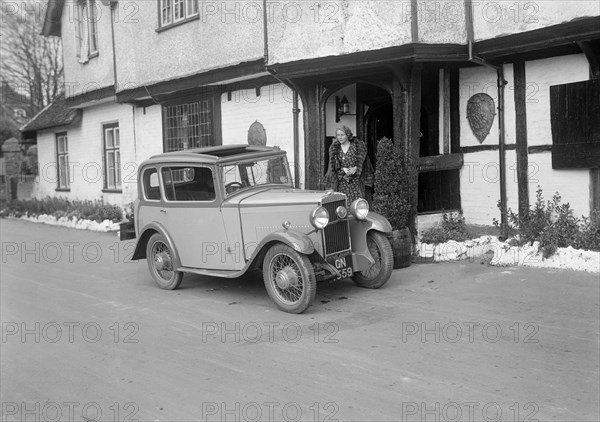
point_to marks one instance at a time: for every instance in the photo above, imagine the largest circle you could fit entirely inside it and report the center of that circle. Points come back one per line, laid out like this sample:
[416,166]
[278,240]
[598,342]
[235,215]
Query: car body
[222,211]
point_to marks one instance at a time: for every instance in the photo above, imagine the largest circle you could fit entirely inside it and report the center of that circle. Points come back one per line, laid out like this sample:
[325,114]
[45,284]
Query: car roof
[223,154]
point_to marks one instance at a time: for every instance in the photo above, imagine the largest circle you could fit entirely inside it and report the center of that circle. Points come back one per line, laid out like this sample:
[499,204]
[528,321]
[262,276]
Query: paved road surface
[85,334]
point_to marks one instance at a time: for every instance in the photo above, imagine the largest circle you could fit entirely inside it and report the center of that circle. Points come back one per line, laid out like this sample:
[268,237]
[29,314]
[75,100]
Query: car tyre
[289,278]
[161,263]
[381,271]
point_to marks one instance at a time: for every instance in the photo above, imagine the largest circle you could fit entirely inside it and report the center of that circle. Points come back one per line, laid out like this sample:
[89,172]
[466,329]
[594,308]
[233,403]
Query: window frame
[116,150]
[190,10]
[86,21]
[178,167]
[62,184]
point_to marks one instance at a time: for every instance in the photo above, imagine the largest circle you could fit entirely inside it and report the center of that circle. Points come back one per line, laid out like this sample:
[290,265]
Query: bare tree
[31,62]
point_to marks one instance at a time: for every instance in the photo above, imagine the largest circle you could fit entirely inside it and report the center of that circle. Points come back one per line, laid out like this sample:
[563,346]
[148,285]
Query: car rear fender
[147,232]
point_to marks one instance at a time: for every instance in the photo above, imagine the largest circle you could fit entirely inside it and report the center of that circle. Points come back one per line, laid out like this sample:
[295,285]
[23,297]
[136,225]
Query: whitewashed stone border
[495,252]
[74,223]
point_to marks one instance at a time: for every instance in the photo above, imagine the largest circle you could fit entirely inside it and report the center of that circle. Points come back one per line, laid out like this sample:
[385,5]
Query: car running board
[213,273]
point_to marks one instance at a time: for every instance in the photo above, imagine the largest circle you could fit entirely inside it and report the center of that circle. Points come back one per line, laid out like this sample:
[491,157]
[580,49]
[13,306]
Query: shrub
[391,186]
[60,207]
[555,226]
[453,227]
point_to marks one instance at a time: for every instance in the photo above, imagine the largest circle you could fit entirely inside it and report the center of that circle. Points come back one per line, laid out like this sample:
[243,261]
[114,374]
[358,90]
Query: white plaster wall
[441,21]
[85,156]
[227,32]
[474,80]
[480,187]
[541,74]
[302,30]
[572,185]
[273,109]
[98,71]
[497,18]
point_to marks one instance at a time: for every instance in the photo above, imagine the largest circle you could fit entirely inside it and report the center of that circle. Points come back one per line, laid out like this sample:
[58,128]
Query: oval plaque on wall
[257,135]
[480,114]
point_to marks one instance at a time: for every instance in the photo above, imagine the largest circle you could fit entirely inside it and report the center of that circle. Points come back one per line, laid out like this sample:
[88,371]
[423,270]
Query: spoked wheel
[161,263]
[289,278]
[380,272]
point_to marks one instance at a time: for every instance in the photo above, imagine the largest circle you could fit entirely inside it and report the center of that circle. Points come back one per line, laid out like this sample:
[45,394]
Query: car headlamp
[319,218]
[360,209]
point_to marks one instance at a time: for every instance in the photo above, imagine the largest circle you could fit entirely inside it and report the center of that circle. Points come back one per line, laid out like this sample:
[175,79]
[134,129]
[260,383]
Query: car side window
[188,183]
[151,188]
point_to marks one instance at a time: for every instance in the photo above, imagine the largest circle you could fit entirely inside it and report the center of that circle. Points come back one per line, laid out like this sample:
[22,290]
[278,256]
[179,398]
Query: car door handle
[163,211]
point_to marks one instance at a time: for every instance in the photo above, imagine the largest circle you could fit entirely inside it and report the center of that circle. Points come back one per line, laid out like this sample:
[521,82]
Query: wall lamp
[342,108]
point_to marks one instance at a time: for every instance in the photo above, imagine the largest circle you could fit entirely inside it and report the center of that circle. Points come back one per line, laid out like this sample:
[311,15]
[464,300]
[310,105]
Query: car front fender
[146,233]
[296,240]
[358,232]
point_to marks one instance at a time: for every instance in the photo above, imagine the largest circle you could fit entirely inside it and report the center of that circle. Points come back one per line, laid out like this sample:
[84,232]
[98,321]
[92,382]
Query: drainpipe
[501,128]
[295,109]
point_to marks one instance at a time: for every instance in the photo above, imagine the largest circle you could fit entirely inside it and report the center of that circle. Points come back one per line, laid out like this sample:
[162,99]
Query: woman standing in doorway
[346,161]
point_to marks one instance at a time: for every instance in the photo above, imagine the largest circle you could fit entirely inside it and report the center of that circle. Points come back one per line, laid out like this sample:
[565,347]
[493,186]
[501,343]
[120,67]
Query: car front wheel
[289,278]
[380,272]
[161,263]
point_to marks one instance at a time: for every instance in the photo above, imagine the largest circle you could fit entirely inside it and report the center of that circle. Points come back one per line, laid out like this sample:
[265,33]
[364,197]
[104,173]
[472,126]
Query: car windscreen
[259,172]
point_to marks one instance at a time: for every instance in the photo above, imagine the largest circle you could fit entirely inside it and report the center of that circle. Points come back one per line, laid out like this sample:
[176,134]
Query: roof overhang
[207,81]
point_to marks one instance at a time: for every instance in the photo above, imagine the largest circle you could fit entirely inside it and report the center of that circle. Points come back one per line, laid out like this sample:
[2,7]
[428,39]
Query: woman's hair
[347,131]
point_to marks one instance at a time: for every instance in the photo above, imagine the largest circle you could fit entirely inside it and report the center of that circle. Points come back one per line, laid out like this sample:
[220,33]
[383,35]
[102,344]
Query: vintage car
[222,211]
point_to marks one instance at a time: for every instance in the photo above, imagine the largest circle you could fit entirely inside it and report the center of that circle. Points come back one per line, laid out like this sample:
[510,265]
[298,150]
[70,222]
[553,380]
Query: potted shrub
[390,199]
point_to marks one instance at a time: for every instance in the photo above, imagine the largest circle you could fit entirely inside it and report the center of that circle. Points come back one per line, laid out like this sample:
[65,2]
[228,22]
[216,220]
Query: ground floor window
[62,160]
[112,156]
[188,125]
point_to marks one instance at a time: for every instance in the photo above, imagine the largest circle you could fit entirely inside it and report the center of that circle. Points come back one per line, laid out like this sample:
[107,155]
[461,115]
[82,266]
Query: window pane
[166,12]
[189,184]
[192,7]
[110,169]
[117,168]
[179,9]
[116,135]
[108,138]
[93,25]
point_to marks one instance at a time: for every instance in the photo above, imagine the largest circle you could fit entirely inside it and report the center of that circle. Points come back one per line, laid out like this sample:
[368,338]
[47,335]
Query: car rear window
[151,188]
[188,183]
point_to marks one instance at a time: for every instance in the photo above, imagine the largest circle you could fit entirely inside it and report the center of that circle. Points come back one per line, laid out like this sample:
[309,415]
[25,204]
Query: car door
[192,216]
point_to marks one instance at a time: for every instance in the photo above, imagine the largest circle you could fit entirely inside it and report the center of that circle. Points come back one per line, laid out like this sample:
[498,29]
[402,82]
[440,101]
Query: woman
[346,160]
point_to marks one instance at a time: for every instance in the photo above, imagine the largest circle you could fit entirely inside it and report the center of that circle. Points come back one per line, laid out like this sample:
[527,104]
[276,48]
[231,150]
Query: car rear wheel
[289,278]
[161,263]
[381,271]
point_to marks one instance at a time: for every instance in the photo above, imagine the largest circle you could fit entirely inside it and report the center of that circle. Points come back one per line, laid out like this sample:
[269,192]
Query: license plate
[343,265]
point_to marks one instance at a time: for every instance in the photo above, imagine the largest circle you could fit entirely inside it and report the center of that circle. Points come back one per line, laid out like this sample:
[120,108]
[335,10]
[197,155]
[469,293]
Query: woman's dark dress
[353,188]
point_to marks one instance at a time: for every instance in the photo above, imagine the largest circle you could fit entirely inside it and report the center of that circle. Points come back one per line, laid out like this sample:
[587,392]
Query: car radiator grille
[337,232]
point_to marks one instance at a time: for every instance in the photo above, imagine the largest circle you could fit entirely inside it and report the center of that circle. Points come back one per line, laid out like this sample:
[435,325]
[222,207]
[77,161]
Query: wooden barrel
[402,247]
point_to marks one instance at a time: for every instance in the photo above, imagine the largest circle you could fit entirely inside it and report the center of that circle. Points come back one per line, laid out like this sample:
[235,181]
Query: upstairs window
[173,11]
[86,29]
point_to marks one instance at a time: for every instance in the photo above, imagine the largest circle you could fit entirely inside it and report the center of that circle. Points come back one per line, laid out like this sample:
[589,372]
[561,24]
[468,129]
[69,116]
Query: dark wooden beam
[446,104]
[592,53]
[454,110]
[412,116]
[440,162]
[520,94]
